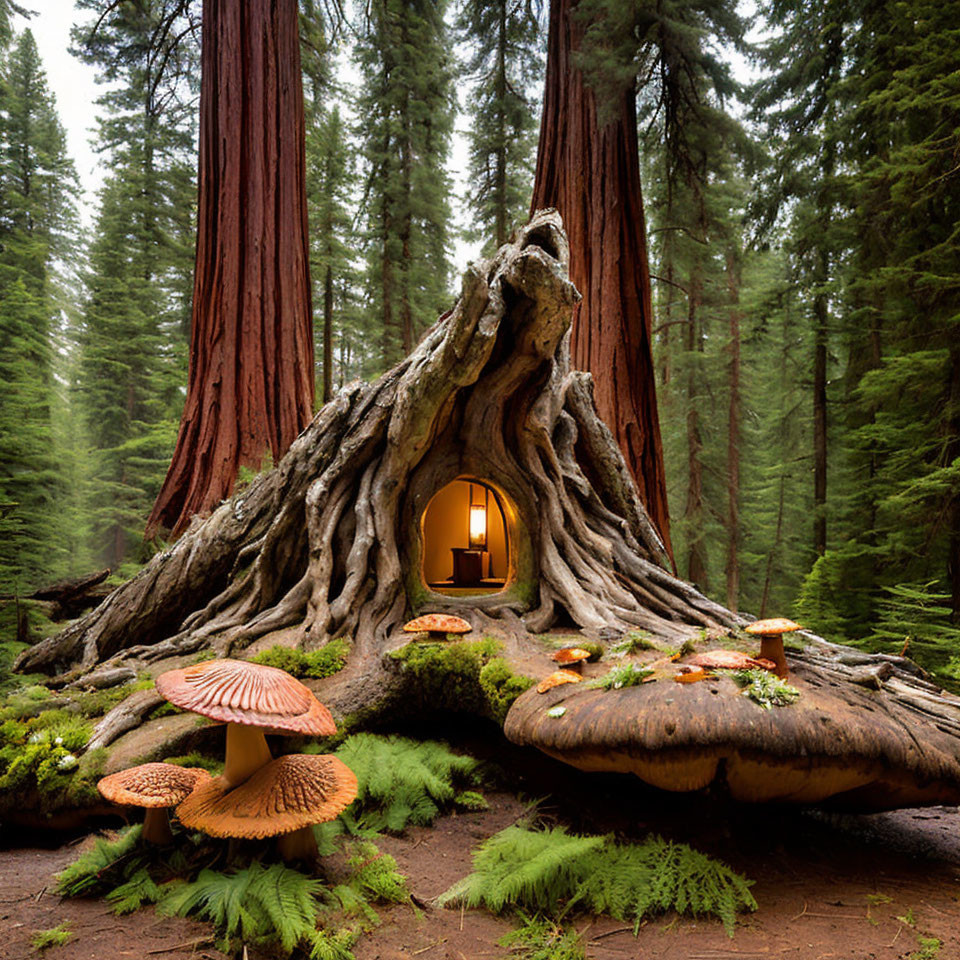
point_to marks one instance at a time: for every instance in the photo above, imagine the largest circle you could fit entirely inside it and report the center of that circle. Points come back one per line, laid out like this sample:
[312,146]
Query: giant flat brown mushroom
[284,798]
[771,640]
[249,698]
[156,787]
[839,742]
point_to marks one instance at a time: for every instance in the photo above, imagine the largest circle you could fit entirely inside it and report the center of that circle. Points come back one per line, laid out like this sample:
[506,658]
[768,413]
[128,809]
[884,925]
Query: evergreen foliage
[402,782]
[132,335]
[538,870]
[503,64]
[37,190]
[407,103]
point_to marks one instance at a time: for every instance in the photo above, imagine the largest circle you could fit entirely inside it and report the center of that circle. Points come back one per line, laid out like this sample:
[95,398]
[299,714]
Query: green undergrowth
[764,688]
[464,676]
[560,641]
[315,664]
[634,642]
[40,766]
[271,905]
[402,782]
[56,936]
[628,675]
[537,871]
[539,939]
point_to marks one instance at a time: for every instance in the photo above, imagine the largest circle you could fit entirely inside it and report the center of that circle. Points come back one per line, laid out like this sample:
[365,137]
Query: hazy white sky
[73,84]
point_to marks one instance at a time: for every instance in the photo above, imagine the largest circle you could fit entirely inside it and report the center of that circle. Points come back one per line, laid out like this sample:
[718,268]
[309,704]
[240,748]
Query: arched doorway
[466,544]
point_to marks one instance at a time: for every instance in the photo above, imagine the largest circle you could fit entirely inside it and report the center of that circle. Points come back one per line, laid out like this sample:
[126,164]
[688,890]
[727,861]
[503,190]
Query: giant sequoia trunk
[329,543]
[588,168]
[250,389]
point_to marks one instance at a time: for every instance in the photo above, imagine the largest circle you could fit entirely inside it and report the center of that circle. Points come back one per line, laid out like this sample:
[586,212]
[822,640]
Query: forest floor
[828,886]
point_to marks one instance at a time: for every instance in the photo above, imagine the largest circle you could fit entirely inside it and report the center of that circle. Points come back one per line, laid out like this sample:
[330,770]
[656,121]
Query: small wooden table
[467,565]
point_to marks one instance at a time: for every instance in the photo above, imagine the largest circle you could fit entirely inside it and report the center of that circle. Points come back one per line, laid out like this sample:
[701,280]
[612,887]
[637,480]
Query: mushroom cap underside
[289,793]
[237,691]
[843,745]
[152,785]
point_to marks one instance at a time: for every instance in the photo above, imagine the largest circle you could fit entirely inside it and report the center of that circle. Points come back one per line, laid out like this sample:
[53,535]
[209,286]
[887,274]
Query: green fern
[401,781]
[135,893]
[540,939]
[376,875]
[332,946]
[537,870]
[54,937]
[87,871]
[256,904]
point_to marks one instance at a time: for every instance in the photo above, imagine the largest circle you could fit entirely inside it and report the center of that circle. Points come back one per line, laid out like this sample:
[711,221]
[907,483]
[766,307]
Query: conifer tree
[330,184]
[407,107]
[132,334]
[503,63]
[37,183]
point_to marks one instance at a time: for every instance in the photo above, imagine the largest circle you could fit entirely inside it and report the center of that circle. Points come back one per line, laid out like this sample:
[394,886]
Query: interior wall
[446,524]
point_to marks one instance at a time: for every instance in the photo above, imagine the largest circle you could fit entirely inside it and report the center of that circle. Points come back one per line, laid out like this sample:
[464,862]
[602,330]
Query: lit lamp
[478,526]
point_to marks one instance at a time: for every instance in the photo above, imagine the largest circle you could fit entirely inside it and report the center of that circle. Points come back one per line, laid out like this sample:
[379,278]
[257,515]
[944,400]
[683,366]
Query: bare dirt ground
[829,886]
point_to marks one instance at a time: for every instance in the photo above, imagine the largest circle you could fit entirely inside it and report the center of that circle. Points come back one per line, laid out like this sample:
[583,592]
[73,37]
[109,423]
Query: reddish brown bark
[250,389]
[591,174]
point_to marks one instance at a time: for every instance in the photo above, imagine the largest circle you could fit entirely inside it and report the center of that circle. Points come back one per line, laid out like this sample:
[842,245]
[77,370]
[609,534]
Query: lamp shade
[478,526]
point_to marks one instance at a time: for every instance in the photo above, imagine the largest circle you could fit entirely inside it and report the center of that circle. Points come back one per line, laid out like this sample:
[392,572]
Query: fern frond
[85,873]
[332,946]
[551,871]
[403,782]
[132,895]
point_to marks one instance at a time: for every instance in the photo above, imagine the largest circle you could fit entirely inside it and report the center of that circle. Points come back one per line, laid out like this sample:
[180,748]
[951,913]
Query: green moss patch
[315,664]
[463,676]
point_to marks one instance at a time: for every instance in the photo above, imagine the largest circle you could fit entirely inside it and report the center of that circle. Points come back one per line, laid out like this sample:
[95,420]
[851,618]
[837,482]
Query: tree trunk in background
[591,174]
[953,510]
[328,334]
[733,435]
[693,512]
[251,380]
[820,417]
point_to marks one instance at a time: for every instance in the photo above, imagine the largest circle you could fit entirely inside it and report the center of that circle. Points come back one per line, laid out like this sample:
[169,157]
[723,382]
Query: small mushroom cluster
[256,796]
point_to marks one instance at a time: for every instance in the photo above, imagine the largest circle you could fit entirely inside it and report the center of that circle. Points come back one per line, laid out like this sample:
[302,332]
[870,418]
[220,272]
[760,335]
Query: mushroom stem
[156,826]
[298,845]
[771,648]
[247,752]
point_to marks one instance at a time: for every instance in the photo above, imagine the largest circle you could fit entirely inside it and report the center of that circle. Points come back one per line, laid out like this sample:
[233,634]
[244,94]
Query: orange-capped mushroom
[437,623]
[155,787]
[556,678]
[282,798]
[573,658]
[771,640]
[727,660]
